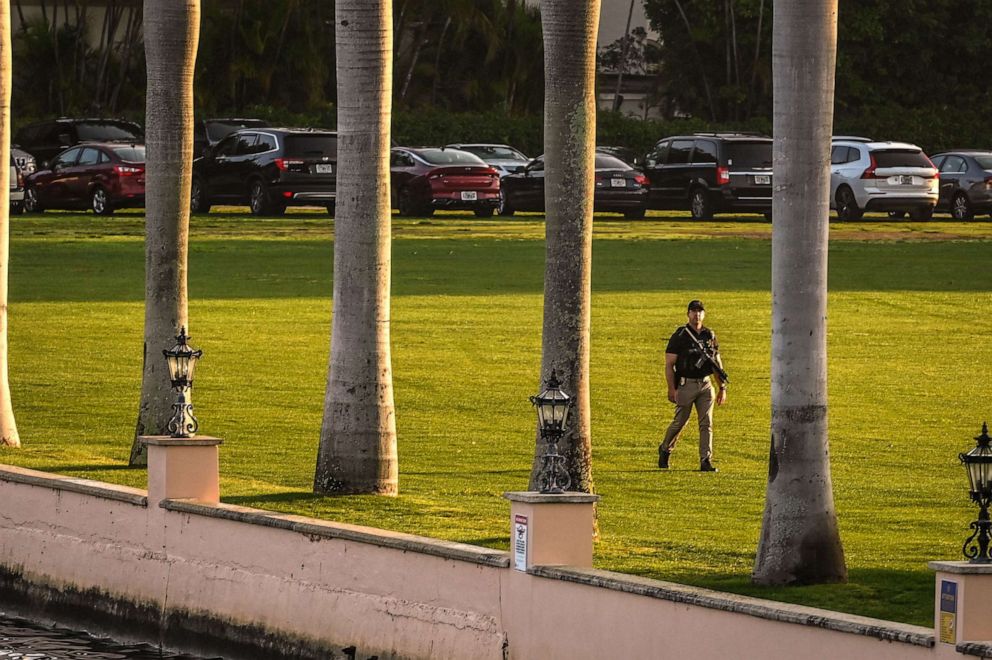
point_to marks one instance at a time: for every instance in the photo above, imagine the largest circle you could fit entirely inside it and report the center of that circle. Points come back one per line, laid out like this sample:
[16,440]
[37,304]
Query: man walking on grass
[692,367]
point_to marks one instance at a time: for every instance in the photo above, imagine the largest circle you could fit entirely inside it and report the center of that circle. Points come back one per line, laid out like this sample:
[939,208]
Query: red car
[428,179]
[102,177]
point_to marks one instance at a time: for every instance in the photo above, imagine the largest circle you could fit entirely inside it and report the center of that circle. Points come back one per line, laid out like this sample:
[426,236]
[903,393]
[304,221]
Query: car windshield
[900,158]
[449,157]
[604,162]
[494,152]
[984,162]
[749,154]
[218,130]
[132,154]
[313,145]
[105,131]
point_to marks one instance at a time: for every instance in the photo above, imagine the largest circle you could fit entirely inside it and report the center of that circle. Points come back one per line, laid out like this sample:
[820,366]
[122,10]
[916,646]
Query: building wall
[218,578]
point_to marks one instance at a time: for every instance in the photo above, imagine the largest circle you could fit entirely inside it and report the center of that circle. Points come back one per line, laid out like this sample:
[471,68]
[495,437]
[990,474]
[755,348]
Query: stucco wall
[198,575]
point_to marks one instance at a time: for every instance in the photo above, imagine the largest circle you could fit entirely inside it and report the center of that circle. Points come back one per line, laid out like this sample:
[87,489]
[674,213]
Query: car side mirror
[651,162]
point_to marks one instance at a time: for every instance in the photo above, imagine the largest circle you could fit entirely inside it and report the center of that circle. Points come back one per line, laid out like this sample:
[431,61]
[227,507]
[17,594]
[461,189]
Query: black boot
[663,458]
[706,466]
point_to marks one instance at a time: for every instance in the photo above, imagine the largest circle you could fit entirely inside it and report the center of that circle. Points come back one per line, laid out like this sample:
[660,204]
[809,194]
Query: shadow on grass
[96,467]
[290,497]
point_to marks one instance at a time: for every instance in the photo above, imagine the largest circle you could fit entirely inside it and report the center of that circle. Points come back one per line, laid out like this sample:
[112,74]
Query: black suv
[711,173]
[268,169]
[47,139]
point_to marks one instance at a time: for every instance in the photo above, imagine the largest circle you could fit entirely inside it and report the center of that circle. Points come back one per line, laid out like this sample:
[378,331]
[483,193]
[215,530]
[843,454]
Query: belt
[704,379]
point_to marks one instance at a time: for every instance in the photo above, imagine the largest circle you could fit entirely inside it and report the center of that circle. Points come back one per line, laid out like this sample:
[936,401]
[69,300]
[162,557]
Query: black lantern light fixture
[978,463]
[182,361]
[552,412]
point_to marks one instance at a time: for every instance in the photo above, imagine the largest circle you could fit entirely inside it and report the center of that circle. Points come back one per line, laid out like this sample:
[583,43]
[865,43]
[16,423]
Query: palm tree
[570,29]
[358,435]
[171,35]
[799,541]
[8,429]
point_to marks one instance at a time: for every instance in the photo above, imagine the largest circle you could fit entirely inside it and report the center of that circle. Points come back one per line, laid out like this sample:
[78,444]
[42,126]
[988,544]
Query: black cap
[696,304]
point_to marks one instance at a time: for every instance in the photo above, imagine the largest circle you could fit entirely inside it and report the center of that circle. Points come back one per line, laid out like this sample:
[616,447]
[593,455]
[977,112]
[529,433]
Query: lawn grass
[908,344]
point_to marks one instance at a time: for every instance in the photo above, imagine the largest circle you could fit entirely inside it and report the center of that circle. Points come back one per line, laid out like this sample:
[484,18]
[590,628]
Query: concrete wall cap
[100,489]
[533,497]
[960,567]
[169,441]
[343,531]
[980,649]
[757,607]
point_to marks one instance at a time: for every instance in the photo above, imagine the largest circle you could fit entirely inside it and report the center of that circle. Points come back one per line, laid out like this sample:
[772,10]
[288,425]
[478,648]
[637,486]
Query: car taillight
[20,179]
[641,179]
[722,176]
[286,164]
[870,172]
[127,170]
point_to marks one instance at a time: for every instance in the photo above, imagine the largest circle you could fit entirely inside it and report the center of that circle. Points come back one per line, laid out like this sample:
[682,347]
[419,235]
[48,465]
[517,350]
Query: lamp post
[552,412]
[978,463]
[182,361]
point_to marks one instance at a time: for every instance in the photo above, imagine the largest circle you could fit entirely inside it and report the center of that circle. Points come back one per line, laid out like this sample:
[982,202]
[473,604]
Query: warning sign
[948,611]
[520,542]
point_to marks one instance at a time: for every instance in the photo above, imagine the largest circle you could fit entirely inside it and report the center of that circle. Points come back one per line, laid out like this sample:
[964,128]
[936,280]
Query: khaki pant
[698,392]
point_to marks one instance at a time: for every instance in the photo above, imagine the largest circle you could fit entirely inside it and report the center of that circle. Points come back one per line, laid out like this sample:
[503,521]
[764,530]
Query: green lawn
[909,348]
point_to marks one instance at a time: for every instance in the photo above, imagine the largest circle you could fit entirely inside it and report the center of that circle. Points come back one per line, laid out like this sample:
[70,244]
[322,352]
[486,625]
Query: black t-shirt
[682,345]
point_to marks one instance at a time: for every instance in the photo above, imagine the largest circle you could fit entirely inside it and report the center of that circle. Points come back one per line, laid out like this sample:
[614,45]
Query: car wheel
[635,214]
[405,204]
[16,208]
[258,199]
[331,208]
[483,211]
[100,202]
[505,208]
[699,205]
[847,205]
[198,202]
[31,202]
[922,214]
[961,208]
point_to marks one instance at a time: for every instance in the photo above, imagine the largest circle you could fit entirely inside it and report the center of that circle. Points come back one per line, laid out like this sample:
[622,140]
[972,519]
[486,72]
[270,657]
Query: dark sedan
[965,182]
[427,179]
[101,177]
[620,188]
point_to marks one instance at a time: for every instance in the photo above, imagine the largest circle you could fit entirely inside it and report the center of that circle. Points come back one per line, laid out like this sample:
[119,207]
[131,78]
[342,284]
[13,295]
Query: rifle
[721,374]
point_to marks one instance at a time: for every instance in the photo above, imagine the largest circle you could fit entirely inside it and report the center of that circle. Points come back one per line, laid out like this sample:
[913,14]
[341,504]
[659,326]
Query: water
[24,640]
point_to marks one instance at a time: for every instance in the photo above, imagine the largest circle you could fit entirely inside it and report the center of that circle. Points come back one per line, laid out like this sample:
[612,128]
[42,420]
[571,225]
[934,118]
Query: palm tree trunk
[8,429]
[171,32]
[800,543]
[358,436]
[569,140]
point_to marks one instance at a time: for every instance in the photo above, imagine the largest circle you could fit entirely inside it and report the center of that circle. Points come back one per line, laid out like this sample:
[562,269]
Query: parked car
[268,169]
[881,176]
[625,154]
[101,177]
[620,188]
[26,163]
[711,173]
[425,179]
[45,140]
[501,157]
[208,132]
[965,182]
[16,188]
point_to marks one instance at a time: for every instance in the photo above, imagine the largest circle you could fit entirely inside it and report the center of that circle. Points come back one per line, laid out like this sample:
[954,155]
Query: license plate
[469,195]
[618,183]
[762,179]
[906,180]
[325,168]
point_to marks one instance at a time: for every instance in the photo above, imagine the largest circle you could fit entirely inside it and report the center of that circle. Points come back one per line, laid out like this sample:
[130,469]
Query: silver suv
[881,176]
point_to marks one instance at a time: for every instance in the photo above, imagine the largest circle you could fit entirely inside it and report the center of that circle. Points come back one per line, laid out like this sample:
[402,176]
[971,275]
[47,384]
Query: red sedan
[428,179]
[101,177]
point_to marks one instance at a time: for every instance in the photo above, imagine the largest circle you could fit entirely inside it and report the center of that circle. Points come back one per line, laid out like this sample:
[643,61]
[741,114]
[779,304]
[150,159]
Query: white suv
[881,176]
